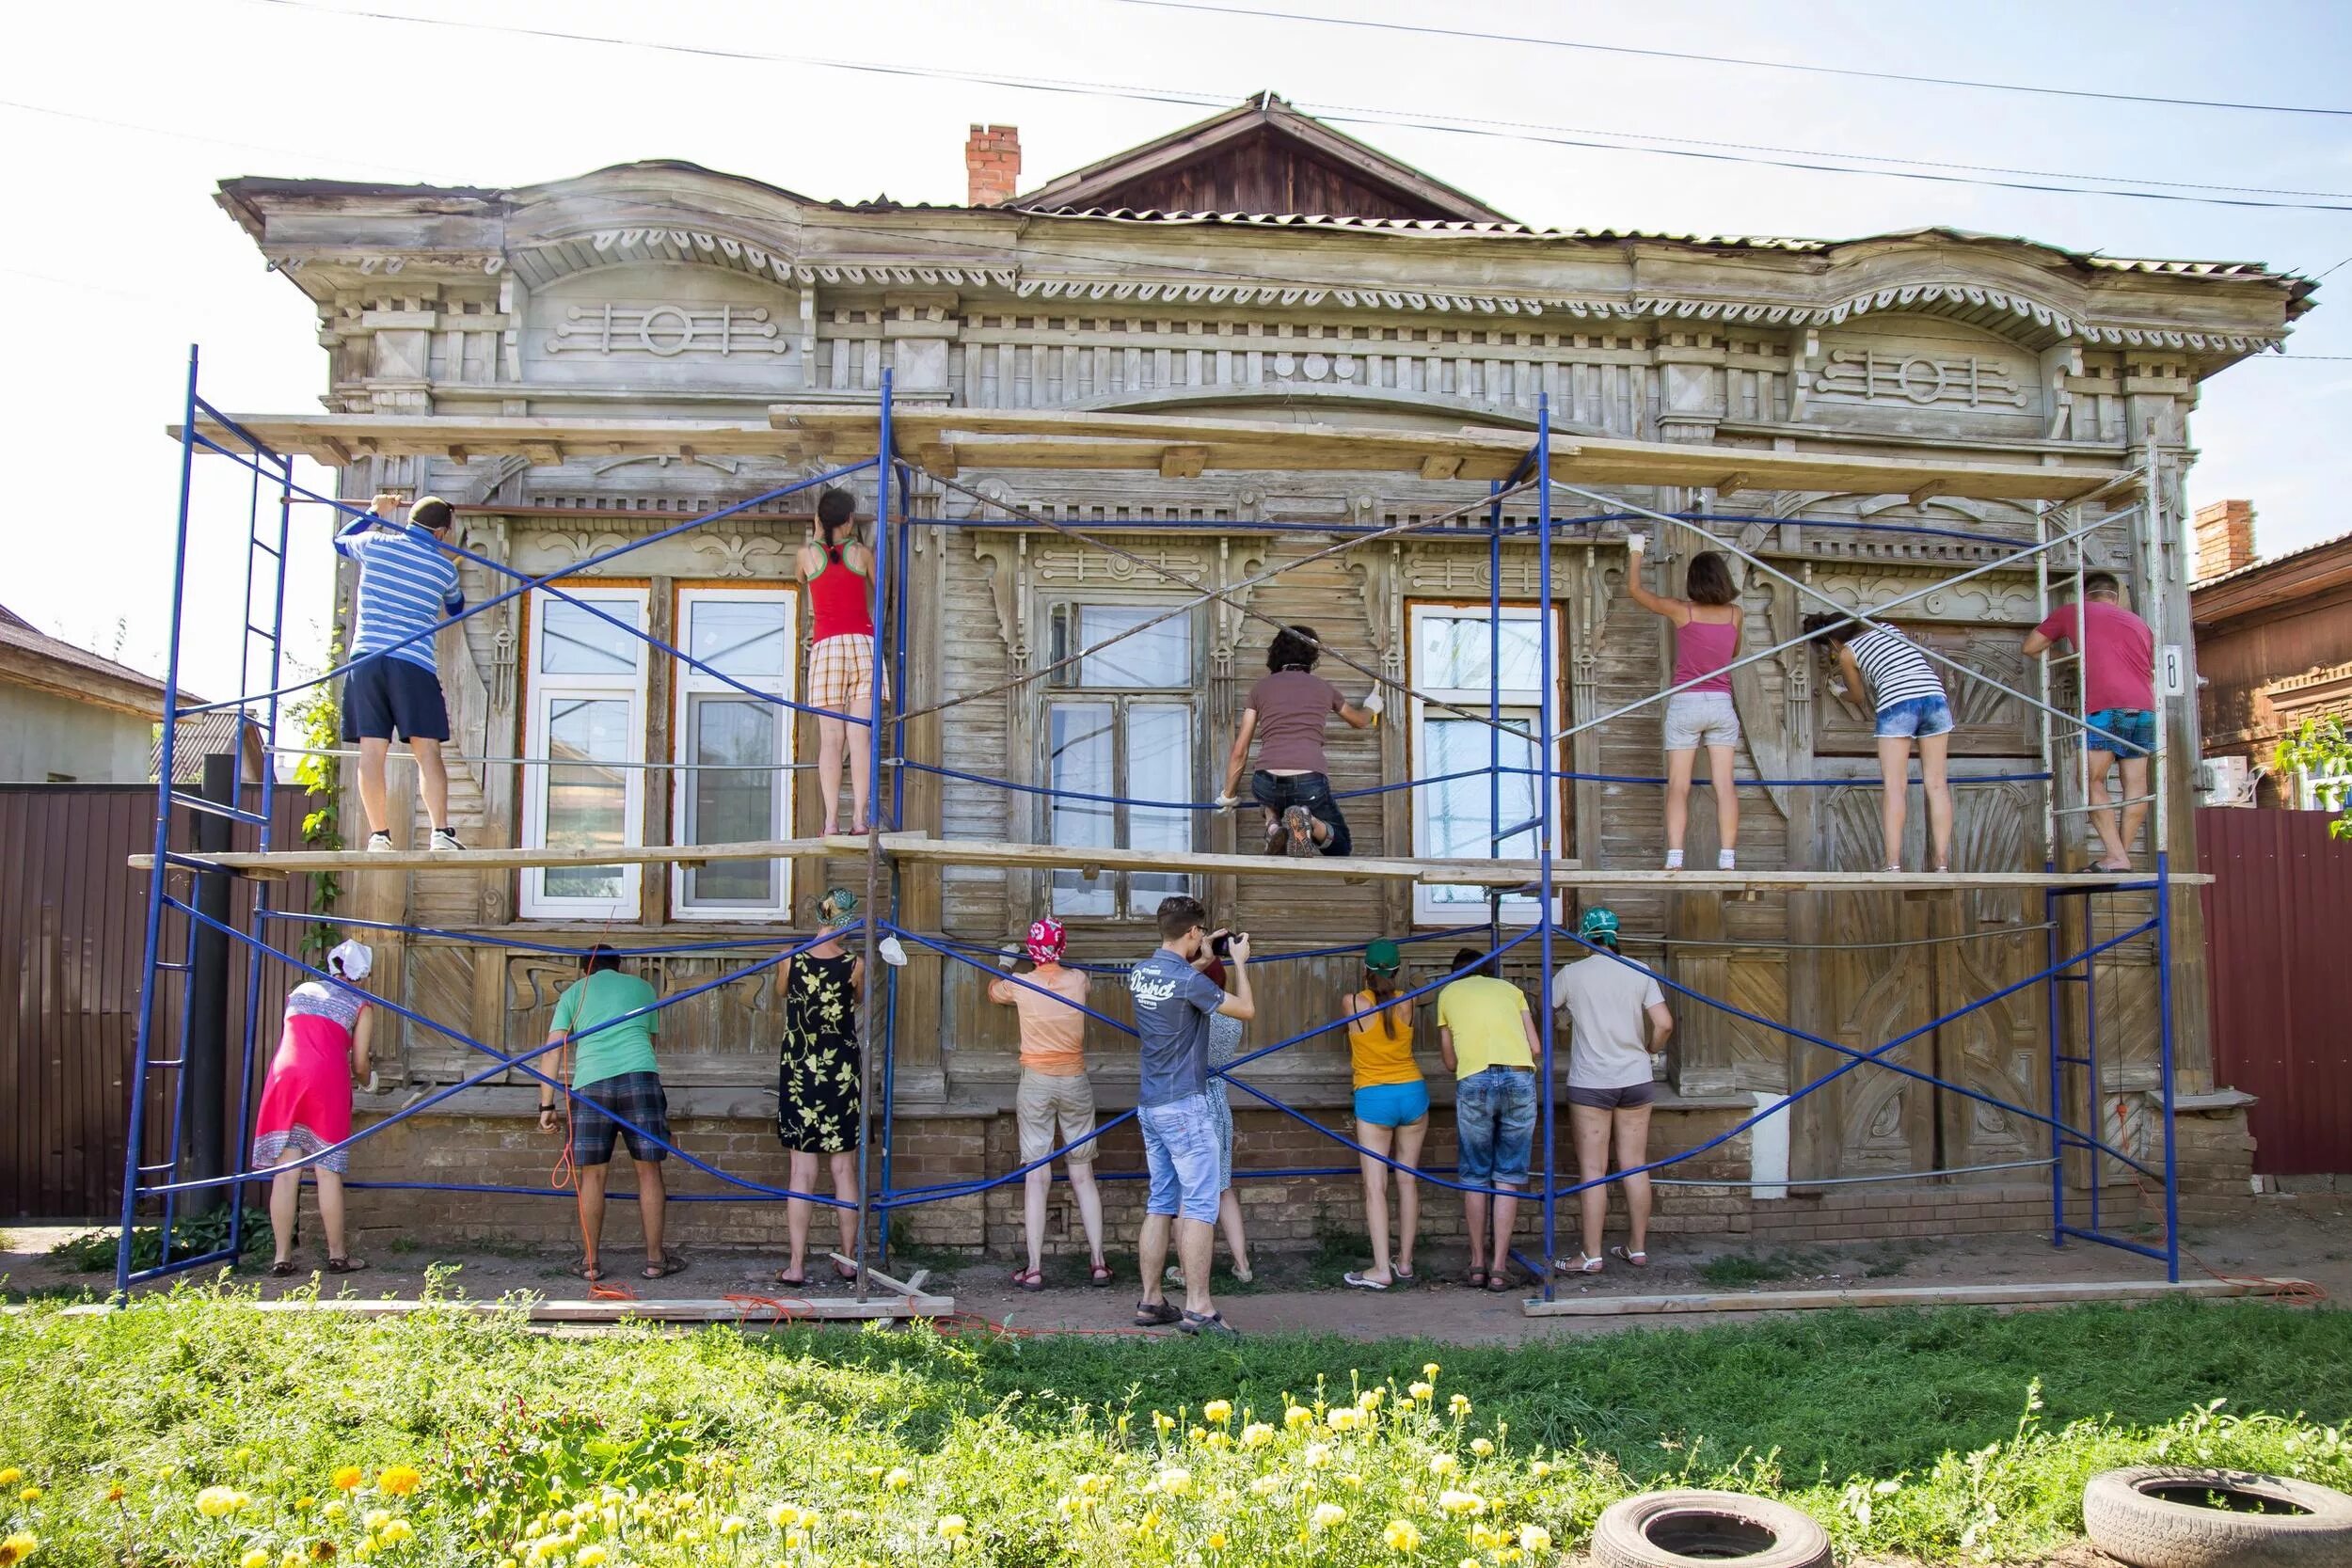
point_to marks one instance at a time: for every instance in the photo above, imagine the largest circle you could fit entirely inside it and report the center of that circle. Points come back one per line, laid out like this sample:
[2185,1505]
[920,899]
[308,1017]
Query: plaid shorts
[639,1098]
[841,674]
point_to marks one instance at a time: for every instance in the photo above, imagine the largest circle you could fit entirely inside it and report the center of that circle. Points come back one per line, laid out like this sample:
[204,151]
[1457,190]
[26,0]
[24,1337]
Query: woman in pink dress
[306,1101]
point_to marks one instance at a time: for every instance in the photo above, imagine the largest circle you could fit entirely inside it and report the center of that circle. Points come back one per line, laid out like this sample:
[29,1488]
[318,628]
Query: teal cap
[1597,923]
[1382,955]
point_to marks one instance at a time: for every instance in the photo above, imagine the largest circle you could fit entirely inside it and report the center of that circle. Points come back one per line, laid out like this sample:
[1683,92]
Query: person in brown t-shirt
[1286,713]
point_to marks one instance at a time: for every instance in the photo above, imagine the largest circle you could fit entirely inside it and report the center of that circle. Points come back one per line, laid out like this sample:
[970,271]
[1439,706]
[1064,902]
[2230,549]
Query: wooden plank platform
[1567,875]
[683,1309]
[2055,1294]
[1033,438]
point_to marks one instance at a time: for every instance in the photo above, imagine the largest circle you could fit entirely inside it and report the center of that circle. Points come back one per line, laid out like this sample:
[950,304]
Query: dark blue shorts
[387,698]
[637,1097]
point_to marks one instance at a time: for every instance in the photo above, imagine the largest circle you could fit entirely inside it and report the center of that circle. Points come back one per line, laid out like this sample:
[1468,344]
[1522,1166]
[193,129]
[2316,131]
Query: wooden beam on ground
[684,1309]
[2053,1294]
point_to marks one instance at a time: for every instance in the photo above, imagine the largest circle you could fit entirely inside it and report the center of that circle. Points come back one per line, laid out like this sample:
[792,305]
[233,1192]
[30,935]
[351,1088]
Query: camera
[1221,944]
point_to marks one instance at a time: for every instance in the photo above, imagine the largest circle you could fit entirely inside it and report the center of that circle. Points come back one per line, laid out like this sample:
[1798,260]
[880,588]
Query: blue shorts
[1494,1118]
[1923,716]
[386,697]
[1180,1152]
[2130,731]
[1393,1104]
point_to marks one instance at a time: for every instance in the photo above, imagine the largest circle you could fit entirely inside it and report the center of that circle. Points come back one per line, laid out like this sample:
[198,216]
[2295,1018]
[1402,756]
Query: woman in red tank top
[1700,712]
[839,575]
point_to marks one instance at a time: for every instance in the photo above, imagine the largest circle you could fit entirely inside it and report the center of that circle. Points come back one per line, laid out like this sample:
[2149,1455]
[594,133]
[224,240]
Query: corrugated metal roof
[2253,568]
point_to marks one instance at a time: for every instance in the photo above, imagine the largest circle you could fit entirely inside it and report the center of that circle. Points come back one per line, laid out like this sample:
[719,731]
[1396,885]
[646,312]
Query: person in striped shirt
[1910,705]
[407,585]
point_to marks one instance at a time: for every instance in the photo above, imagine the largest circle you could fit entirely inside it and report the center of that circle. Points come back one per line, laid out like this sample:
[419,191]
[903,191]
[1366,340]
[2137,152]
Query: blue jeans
[1277,792]
[1494,1118]
[1923,716]
[2130,731]
[1180,1152]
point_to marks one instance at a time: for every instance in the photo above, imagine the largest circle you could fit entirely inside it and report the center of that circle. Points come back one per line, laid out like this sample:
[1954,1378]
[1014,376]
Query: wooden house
[1258,266]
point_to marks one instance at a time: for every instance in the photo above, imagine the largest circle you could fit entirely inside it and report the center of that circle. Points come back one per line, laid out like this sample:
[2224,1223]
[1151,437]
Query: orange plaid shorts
[841,674]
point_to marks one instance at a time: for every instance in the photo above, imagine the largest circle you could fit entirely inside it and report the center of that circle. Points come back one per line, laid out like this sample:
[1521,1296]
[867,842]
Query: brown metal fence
[72,927]
[2276,921]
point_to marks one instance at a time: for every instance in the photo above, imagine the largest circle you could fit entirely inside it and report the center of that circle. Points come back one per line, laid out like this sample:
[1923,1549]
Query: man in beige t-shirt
[1051,1000]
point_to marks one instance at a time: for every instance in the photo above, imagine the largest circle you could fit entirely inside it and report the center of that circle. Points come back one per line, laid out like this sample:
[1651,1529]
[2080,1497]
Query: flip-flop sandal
[1581,1266]
[670,1264]
[1633,1259]
[1157,1314]
[1497,1282]
[1363,1282]
[1198,1324]
[784,1276]
[345,1265]
[1100,1276]
[1028,1280]
[1477,1279]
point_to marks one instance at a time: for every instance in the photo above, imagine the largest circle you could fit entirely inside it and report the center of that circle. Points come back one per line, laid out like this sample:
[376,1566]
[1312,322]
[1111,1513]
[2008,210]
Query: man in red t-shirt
[2118,653]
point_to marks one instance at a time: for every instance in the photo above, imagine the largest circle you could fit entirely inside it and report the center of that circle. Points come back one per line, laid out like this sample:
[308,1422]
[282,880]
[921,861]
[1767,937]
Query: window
[586,715]
[1122,722]
[737,787]
[1460,659]
[2330,791]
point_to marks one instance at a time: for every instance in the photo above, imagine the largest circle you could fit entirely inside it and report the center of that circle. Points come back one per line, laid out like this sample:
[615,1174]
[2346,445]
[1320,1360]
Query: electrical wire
[1425,30]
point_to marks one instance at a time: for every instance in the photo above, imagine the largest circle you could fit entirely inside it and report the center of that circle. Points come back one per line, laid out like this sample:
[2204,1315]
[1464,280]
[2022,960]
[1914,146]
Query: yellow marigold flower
[1257,1434]
[1459,1404]
[1402,1536]
[784,1515]
[1345,1418]
[376,1518]
[591,1557]
[17,1547]
[1265,1486]
[291,1559]
[1217,1411]
[1094,1485]
[563,1519]
[795,1538]
[1219,1440]
[397,1531]
[1461,1503]
[216,1502]
[1198,1434]
[1443,1463]
[1316,1456]
[1482,1446]
[951,1527]
[254,1559]
[1161,1420]
[1429,1371]
[1297,1416]
[1535,1537]
[1370,1398]
[1353,1481]
[334,1511]
[1423,1391]
[1173,1481]
[1541,1468]
[1325,1516]
[1216,1541]
[399,1480]
[731,1527]
[1486,1540]
[304,1504]
[10,1476]
[898,1480]
[347,1477]
[30,1495]
[243,1456]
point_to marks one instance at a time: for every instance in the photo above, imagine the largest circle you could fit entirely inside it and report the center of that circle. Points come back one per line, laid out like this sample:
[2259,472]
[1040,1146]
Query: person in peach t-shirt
[1051,1000]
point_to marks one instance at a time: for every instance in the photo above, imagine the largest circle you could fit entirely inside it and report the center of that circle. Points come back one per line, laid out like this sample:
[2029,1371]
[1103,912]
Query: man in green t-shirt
[616,1093]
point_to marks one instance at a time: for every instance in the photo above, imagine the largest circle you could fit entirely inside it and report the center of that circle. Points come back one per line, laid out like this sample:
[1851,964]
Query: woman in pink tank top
[1699,713]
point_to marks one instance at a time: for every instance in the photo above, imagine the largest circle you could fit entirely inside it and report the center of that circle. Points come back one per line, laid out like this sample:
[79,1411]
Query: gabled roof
[1132,177]
[2322,567]
[30,657]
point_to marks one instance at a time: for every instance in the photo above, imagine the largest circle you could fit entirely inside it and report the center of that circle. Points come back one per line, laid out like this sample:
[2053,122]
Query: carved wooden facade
[664,289]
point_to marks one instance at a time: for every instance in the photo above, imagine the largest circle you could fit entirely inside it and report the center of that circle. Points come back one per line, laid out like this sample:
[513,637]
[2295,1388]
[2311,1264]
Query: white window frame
[1527,702]
[629,604]
[2331,791]
[688,683]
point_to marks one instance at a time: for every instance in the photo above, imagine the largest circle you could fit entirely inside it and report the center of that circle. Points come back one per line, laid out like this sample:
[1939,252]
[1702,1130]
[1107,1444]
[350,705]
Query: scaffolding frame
[1513,466]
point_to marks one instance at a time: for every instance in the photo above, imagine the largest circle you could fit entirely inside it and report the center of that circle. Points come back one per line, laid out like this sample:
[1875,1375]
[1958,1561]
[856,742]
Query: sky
[124,118]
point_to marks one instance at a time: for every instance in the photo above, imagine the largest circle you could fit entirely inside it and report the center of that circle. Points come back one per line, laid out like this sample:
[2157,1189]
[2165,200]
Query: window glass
[1456,652]
[1161,656]
[1159,767]
[1080,755]
[742,638]
[587,806]
[731,794]
[573,642]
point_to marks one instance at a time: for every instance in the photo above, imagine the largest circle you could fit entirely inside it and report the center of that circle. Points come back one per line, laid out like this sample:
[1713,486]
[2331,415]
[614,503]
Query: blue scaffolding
[173,920]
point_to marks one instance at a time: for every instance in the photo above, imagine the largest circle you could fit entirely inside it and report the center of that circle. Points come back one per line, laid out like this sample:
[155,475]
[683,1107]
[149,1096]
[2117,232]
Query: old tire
[2147,1516]
[1700,1529]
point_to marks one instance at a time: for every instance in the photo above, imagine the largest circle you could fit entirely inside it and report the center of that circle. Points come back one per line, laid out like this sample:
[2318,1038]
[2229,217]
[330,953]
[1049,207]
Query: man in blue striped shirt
[407,585]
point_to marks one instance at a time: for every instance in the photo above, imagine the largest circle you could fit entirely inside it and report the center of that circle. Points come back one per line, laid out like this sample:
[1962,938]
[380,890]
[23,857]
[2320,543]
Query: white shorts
[1696,719]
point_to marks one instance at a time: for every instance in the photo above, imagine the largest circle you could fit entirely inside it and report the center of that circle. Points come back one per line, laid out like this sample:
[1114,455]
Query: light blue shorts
[1180,1152]
[1494,1114]
[1924,717]
[1393,1104]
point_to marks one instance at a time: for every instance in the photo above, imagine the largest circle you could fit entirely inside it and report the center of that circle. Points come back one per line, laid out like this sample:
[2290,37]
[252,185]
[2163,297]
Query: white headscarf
[353,958]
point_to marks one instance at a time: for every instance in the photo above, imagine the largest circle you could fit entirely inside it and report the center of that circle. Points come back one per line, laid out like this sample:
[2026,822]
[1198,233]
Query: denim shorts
[1494,1118]
[1915,715]
[1277,792]
[1180,1152]
[1393,1104]
[2131,732]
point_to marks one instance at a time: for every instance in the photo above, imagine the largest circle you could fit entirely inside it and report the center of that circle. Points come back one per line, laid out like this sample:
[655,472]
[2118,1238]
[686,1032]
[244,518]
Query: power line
[1731,152]
[195,137]
[1427,31]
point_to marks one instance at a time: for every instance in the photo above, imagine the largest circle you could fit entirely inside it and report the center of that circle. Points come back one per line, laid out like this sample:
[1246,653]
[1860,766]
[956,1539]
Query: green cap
[1597,923]
[1382,955]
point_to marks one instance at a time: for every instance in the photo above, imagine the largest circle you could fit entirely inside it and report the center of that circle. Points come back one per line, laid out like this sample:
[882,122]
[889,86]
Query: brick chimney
[2225,538]
[992,165]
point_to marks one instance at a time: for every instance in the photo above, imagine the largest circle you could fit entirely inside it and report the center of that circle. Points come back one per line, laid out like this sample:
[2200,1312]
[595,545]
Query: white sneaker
[443,839]
[380,843]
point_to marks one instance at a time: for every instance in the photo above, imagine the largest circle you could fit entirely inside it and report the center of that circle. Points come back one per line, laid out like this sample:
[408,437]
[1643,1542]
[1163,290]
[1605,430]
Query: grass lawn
[192,1430]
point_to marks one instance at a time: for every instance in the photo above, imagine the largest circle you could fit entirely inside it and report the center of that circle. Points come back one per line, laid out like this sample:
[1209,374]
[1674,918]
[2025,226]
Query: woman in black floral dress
[817,1079]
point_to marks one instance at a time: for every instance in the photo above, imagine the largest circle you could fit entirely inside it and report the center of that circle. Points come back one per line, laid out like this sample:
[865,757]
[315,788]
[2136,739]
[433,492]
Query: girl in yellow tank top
[1391,1113]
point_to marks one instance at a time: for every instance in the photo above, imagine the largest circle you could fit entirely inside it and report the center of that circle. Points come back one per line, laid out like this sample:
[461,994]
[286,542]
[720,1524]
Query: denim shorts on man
[1277,792]
[1493,1117]
[1180,1152]
[1923,716]
[2128,732]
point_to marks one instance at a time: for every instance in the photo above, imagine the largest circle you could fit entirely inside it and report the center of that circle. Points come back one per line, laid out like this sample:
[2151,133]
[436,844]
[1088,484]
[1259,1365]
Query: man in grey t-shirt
[1619,1015]
[1173,1001]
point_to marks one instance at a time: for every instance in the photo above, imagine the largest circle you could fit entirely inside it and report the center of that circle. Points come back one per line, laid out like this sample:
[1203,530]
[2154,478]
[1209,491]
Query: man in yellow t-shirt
[1487,1035]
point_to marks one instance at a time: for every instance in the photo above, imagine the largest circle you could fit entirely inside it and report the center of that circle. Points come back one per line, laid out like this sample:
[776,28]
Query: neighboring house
[1257,265]
[202,734]
[2274,644]
[69,716]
